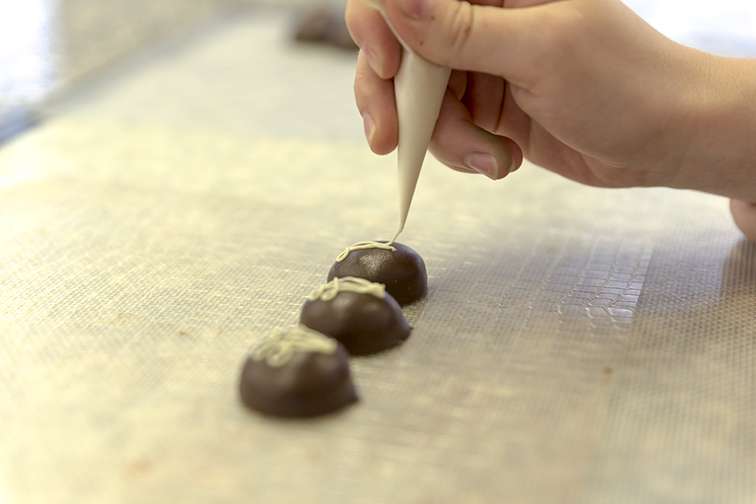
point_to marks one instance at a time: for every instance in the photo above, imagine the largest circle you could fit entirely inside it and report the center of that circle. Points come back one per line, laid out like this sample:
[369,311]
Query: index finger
[373,36]
[477,37]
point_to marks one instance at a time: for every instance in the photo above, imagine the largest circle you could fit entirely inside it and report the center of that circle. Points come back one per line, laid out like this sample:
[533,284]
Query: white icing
[278,348]
[363,245]
[329,291]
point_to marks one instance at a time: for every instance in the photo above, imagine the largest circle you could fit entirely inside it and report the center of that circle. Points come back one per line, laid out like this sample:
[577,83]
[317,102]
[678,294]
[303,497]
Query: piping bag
[419,87]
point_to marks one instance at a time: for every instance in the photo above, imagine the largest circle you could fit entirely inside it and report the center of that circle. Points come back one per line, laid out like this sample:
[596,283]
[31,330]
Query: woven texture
[576,346]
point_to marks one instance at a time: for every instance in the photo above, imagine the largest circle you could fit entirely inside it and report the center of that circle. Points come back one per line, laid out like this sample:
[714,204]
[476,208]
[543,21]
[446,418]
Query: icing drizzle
[329,291]
[278,348]
[366,245]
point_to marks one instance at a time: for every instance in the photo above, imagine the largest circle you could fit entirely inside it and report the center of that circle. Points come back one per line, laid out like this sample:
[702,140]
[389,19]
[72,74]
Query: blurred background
[49,47]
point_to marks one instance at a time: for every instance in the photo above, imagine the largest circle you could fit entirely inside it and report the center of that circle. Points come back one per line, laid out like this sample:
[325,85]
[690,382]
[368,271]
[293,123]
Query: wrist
[718,115]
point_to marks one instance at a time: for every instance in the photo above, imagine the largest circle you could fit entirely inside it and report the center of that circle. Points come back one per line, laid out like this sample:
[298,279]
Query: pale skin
[584,88]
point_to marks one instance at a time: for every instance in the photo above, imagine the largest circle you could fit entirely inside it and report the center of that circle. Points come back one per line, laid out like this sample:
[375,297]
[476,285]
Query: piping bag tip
[419,87]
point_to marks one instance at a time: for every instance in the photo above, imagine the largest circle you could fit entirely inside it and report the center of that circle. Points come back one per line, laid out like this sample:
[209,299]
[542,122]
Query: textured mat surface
[577,345]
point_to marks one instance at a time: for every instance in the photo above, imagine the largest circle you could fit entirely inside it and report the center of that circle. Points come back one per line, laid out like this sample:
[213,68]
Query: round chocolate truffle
[297,372]
[396,266]
[360,314]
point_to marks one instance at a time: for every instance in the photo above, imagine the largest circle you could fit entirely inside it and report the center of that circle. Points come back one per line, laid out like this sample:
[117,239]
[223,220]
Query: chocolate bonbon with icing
[360,314]
[297,372]
[392,264]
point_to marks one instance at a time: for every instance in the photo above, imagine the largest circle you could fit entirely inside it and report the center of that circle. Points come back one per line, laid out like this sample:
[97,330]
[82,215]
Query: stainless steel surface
[577,346]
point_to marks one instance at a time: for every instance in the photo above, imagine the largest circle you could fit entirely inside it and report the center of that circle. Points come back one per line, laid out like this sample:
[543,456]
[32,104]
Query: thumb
[744,215]
[464,36]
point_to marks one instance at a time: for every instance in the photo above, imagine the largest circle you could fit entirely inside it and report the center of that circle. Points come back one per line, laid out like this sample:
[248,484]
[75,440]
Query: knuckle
[349,17]
[354,20]
[363,89]
[558,49]
[563,36]
[368,86]
[460,25]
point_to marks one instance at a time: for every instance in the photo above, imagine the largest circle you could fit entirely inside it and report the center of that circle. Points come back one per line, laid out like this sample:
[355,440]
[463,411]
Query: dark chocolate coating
[363,323]
[402,271]
[309,384]
[324,25]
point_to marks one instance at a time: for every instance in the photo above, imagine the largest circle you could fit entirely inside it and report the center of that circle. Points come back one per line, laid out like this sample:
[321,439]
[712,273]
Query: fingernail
[485,164]
[515,165]
[418,9]
[372,59]
[369,124]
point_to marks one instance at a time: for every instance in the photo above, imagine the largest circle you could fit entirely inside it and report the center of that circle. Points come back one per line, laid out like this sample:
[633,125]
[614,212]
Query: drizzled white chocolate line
[278,348]
[363,245]
[329,291]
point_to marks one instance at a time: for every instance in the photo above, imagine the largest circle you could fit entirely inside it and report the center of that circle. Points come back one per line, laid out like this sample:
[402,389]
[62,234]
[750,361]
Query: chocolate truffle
[297,372]
[396,266]
[324,25]
[360,314]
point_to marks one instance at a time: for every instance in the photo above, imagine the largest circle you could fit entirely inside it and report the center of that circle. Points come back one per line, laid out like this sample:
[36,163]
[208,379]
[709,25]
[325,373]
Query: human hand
[744,215]
[584,88]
